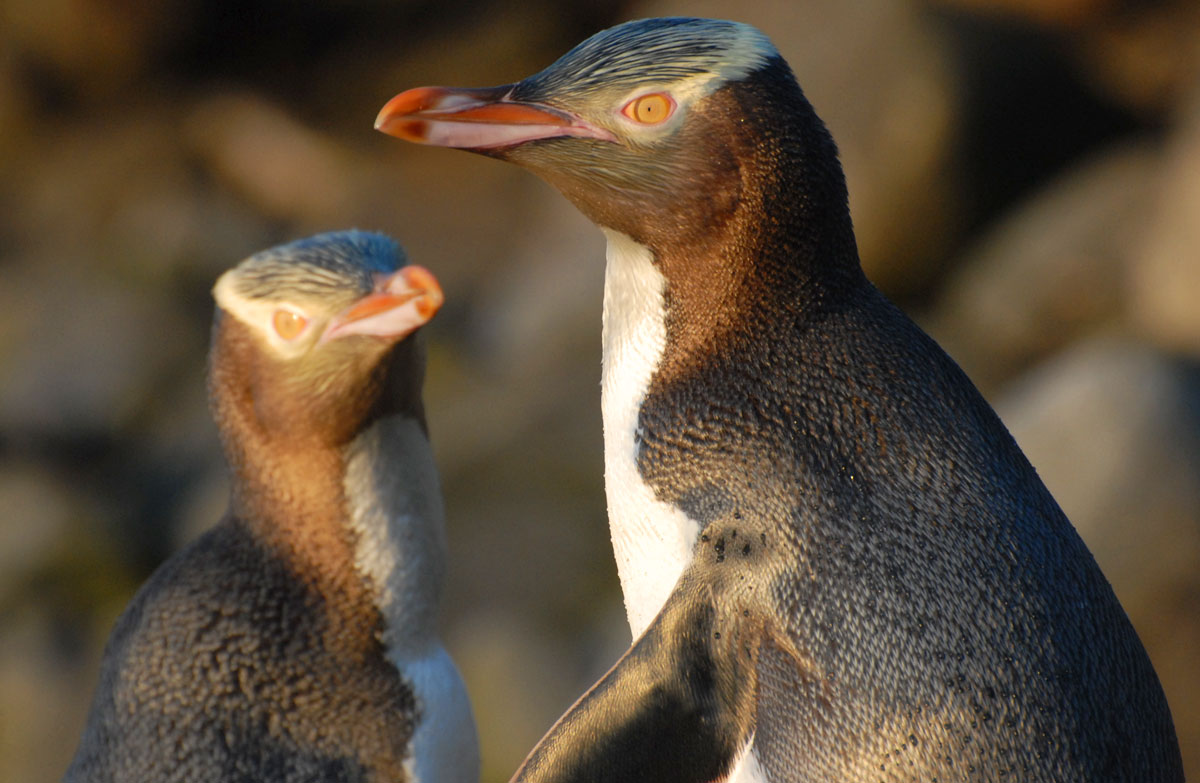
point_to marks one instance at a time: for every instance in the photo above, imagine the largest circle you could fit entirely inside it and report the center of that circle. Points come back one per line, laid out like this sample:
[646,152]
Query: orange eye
[650,109]
[288,324]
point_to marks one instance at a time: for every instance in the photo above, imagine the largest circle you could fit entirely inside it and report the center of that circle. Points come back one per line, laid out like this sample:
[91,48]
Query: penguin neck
[288,493]
[396,515]
[752,221]
[360,523]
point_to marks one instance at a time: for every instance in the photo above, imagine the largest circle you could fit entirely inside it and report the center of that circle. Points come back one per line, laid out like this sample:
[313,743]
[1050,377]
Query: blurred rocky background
[1024,177]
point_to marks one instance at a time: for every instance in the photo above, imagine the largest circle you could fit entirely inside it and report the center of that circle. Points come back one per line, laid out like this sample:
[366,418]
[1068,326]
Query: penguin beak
[402,302]
[477,119]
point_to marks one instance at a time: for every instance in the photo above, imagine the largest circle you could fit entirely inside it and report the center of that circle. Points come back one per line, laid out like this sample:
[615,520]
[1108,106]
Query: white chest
[652,540]
[445,747]
[396,511]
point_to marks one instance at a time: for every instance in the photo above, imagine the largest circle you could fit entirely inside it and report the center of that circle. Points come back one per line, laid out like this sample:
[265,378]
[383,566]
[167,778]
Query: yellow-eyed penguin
[296,640]
[836,562]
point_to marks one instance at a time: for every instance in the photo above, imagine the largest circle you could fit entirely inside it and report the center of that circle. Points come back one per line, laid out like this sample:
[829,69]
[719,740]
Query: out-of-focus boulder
[1140,55]
[96,47]
[37,509]
[45,697]
[120,193]
[546,299]
[81,353]
[279,166]
[1144,55]
[1165,274]
[1113,427]
[1053,270]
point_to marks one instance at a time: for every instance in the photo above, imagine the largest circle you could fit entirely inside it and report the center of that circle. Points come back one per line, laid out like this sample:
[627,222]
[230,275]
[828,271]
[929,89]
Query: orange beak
[477,119]
[402,302]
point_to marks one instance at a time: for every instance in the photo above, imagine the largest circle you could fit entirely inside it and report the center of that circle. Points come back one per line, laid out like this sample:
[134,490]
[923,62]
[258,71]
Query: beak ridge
[477,119]
[401,303]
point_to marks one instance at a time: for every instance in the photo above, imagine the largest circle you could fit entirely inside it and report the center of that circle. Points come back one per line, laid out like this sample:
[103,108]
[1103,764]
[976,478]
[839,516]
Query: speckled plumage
[273,648]
[879,588]
[227,666]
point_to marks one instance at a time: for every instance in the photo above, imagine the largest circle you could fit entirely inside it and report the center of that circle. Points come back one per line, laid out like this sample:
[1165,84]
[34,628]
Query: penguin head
[645,117]
[311,338]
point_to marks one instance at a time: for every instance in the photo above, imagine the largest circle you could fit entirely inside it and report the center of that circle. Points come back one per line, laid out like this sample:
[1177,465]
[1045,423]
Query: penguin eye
[288,324]
[650,109]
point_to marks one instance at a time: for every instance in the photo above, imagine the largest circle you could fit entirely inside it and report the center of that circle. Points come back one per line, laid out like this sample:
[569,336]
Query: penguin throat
[652,540]
[396,515]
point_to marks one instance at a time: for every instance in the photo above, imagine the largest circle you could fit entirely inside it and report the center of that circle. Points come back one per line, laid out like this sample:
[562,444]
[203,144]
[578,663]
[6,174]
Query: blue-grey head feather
[652,51]
[337,263]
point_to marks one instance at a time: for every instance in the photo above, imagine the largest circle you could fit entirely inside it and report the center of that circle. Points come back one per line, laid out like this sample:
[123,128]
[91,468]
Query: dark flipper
[678,706]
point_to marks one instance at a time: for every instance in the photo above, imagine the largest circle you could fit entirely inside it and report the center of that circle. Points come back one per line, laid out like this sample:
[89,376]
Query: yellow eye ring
[650,109]
[288,324]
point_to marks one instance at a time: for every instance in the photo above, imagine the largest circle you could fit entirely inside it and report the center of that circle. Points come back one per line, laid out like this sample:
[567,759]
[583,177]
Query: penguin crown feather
[340,264]
[656,51]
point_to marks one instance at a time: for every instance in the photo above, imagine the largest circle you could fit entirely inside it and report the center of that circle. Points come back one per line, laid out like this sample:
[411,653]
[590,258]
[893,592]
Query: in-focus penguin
[296,640]
[836,562]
